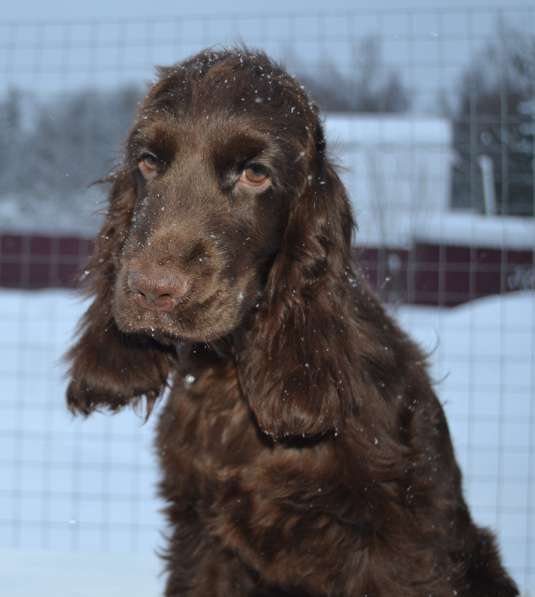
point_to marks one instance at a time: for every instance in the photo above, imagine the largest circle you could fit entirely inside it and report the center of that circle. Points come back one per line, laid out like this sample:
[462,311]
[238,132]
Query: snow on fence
[75,486]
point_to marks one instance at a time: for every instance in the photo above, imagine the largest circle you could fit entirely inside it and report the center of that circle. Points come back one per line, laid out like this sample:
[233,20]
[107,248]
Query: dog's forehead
[219,96]
[232,82]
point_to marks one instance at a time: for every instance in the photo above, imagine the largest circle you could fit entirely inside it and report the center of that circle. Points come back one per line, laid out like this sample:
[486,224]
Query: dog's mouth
[193,318]
[203,306]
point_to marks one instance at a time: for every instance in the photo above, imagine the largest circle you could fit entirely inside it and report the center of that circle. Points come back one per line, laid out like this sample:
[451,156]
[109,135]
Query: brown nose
[157,291]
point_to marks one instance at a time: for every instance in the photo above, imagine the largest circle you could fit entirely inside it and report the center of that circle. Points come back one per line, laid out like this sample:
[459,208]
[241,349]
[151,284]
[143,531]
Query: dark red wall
[39,261]
[427,274]
[443,275]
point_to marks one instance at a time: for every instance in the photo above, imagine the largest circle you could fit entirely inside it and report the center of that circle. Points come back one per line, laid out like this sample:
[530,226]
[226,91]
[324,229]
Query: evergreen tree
[495,117]
[371,87]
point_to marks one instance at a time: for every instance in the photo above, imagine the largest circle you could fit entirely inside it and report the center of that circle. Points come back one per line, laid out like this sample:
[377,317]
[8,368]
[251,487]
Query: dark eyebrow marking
[235,151]
[155,137]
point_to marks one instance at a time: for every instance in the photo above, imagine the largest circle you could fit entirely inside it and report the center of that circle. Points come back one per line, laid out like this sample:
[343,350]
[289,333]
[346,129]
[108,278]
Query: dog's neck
[194,357]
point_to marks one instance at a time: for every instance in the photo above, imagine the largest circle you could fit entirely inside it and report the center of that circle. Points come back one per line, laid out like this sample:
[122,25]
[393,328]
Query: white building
[396,169]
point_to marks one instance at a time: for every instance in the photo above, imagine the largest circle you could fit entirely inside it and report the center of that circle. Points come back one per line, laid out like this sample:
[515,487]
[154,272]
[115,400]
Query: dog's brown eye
[255,175]
[148,165]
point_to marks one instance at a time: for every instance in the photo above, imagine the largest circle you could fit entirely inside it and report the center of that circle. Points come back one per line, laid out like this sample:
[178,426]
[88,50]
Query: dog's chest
[206,436]
[261,500]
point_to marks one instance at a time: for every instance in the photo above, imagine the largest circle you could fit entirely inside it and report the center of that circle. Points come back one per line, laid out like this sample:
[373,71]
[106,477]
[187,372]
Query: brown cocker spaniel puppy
[304,452]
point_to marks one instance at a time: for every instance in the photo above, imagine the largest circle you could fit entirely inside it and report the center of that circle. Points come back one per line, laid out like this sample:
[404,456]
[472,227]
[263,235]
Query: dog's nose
[156,290]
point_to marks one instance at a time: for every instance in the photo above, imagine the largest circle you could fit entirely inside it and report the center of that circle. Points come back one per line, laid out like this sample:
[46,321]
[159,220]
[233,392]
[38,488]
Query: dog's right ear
[297,360]
[109,369]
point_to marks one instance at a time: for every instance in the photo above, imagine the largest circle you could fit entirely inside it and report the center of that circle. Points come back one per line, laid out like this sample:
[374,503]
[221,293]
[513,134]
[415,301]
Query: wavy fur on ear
[296,360]
[109,369]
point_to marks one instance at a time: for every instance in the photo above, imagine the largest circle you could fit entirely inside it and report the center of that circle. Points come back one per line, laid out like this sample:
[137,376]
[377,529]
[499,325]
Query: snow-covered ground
[78,514]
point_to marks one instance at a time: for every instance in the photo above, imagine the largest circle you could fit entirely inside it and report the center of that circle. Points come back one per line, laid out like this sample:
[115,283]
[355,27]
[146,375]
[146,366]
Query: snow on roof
[379,129]
[79,215]
[476,230]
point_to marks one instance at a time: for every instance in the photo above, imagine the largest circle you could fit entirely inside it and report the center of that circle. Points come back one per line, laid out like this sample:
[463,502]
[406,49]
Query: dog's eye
[255,175]
[148,165]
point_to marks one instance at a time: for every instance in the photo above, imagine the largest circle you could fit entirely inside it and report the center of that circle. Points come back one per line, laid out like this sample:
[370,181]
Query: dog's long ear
[294,362]
[109,369]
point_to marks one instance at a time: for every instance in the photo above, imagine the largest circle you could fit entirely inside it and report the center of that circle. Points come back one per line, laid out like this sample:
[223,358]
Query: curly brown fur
[302,446]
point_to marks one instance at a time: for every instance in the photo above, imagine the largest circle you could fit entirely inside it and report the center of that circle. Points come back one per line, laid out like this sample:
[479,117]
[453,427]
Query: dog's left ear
[294,360]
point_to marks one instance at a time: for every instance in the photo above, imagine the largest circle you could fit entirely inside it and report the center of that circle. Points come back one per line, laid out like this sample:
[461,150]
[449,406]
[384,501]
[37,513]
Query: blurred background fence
[431,115]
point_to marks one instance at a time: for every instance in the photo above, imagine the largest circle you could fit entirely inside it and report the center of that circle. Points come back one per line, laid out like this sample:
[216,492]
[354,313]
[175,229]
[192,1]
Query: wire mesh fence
[431,114]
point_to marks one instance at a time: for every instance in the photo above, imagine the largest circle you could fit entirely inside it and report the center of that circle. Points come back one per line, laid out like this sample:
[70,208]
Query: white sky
[24,10]
[429,45]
